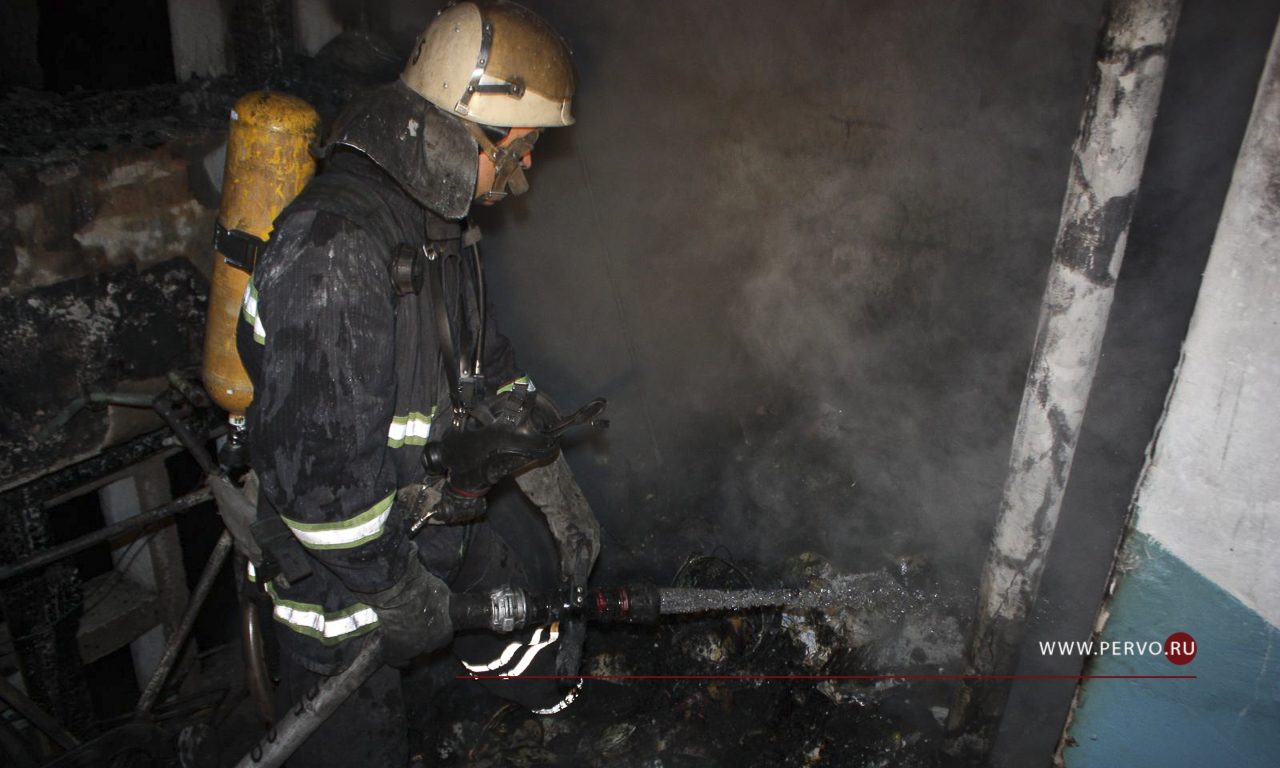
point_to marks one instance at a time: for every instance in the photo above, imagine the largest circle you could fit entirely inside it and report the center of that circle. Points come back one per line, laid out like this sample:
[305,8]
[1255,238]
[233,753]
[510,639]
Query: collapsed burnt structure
[813,334]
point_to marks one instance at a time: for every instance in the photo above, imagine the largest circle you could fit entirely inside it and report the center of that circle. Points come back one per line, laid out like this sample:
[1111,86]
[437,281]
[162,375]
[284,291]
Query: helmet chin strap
[508,175]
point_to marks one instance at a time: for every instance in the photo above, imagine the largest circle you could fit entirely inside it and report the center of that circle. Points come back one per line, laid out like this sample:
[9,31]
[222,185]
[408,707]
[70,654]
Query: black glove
[413,613]
[500,436]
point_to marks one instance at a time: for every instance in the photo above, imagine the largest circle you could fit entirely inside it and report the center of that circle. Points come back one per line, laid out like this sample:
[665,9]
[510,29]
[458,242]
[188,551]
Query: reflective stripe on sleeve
[361,529]
[313,621]
[412,429]
[249,310]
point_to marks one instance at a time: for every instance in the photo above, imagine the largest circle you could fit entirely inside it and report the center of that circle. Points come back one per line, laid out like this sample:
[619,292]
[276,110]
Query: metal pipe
[141,520]
[308,713]
[189,441]
[255,660]
[235,508]
[1102,187]
[127,399]
[179,637]
[37,716]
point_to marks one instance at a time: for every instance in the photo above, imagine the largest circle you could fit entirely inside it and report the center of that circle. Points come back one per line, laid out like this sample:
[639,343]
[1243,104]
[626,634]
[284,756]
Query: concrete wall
[800,248]
[1225,716]
[1203,557]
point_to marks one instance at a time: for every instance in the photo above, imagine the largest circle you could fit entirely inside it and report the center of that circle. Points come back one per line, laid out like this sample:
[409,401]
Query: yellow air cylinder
[268,163]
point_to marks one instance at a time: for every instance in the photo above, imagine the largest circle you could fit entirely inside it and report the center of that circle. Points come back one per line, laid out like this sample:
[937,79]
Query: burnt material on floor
[693,690]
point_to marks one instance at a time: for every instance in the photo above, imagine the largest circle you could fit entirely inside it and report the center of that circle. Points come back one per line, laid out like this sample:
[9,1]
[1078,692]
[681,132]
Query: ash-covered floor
[692,690]
[767,687]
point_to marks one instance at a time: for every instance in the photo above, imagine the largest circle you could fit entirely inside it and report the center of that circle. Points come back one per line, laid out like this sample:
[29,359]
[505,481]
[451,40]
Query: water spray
[508,609]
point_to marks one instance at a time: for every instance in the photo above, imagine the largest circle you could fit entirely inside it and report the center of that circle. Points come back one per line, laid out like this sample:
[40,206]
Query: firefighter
[355,365]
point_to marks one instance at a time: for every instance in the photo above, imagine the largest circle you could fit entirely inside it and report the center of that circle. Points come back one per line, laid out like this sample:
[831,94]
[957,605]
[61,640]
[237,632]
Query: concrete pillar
[1102,188]
[262,38]
[198,29]
[164,549]
[156,567]
[314,24]
[1201,556]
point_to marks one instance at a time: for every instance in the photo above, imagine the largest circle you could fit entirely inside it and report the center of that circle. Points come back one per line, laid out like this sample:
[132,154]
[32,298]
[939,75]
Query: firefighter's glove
[413,613]
[457,507]
[505,433]
[499,437]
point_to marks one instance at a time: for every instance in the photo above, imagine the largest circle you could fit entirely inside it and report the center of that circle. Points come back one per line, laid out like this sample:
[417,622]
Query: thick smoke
[804,263]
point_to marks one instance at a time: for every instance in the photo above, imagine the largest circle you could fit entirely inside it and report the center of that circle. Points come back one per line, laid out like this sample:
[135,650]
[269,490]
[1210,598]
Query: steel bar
[164,549]
[235,508]
[179,637]
[313,709]
[185,436]
[1102,187]
[37,716]
[54,554]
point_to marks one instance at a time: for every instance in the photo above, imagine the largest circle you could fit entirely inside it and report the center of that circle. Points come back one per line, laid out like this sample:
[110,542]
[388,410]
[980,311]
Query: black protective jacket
[347,377]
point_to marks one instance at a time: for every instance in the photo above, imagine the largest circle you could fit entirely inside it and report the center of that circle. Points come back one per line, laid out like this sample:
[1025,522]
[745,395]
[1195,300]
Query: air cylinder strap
[239,249]
[444,332]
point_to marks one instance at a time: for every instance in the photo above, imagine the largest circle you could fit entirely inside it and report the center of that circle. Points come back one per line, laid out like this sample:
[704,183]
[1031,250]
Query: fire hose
[503,610]
[506,610]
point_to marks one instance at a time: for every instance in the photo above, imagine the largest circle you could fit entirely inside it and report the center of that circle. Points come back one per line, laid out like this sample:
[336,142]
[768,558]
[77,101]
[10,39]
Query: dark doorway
[102,45]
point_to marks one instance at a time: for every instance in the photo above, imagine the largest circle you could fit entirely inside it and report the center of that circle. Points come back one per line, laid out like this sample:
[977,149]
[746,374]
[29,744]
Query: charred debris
[756,686]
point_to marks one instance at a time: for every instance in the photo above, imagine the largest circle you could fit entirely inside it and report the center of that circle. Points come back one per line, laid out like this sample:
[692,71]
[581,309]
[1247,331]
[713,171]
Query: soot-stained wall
[800,247]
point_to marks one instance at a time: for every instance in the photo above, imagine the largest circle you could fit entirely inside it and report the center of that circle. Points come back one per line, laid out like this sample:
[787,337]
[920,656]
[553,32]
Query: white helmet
[494,63]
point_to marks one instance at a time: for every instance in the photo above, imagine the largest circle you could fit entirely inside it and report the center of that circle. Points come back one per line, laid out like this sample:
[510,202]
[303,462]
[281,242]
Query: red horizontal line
[830,677]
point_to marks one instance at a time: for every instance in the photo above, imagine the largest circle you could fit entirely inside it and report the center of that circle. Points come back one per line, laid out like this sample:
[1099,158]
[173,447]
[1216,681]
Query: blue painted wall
[1228,716]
